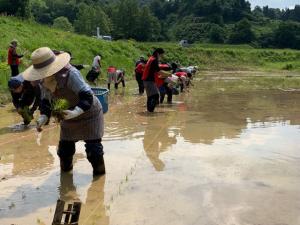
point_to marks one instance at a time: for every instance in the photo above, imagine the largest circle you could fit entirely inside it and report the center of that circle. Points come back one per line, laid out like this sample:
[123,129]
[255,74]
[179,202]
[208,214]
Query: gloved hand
[41,121]
[71,114]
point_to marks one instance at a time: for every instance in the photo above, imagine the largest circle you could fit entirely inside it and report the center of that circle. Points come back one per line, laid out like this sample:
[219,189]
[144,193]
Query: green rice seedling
[58,106]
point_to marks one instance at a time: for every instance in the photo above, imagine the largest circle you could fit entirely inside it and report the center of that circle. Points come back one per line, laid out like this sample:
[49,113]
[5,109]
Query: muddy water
[211,158]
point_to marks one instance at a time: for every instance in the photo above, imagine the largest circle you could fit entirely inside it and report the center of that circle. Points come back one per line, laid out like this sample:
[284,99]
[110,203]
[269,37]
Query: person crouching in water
[24,95]
[84,118]
[163,87]
[120,78]
[111,75]
[152,69]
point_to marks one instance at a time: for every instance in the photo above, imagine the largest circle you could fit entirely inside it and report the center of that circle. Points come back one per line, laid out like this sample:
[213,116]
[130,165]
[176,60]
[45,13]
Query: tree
[91,17]
[217,34]
[15,7]
[125,19]
[242,33]
[287,35]
[148,27]
[63,23]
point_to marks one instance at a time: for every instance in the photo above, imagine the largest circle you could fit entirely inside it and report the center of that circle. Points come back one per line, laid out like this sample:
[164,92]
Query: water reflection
[157,138]
[93,209]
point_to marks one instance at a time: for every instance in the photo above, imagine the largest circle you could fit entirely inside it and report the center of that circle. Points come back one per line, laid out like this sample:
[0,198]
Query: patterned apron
[87,126]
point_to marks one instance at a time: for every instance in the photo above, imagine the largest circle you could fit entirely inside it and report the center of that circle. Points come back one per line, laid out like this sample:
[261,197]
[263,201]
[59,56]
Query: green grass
[124,53]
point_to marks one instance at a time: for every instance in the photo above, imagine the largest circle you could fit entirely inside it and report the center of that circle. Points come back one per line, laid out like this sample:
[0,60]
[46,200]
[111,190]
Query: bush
[63,23]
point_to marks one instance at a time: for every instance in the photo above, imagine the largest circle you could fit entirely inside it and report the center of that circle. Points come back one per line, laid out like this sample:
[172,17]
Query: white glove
[70,114]
[41,121]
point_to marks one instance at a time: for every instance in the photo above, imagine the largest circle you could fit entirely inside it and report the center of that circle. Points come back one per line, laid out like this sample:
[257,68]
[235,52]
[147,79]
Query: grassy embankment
[124,53]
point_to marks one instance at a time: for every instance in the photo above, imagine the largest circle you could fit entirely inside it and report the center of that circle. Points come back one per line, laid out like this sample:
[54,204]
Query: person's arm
[164,74]
[84,92]
[15,99]
[15,55]
[37,101]
[45,109]
[78,67]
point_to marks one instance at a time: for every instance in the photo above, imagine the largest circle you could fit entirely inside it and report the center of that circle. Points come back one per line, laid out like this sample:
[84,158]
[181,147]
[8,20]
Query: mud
[210,158]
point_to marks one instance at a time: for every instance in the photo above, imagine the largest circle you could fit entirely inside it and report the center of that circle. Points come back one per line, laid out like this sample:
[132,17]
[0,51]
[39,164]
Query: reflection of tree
[213,116]
[93,210]
[157,139]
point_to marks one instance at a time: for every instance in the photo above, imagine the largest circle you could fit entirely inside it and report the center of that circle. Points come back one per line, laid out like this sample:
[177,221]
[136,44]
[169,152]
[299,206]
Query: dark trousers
[152,102]
[117,84]
[14,70]
[93,149]
[163,91]
[140,82]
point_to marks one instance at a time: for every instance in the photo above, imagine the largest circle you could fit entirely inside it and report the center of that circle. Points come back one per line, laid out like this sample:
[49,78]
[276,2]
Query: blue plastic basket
[102,95]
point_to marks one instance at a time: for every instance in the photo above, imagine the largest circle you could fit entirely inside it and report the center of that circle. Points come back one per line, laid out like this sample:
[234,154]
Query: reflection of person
[24,94]
[13,58]
[151,70]
[93,210]
[82,121]
[157,141]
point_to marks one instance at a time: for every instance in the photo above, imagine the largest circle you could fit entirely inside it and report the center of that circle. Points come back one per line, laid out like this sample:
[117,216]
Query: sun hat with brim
[45,64]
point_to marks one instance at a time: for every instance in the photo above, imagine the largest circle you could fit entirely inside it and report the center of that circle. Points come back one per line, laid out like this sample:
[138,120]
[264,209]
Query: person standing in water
[151,70]
[84,118]
[139,70]
[13,58]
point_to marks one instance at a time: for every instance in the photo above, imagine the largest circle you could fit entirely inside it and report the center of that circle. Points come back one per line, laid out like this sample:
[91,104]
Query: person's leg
[116,85]
[66,150]
[162,94]
[140,83]
[94,152]
[169,94]
[152,101]
[108,86]
[123,83]
[14,70]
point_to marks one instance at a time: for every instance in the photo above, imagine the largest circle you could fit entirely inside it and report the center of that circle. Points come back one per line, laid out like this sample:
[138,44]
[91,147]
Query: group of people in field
[52,77]
[161,79]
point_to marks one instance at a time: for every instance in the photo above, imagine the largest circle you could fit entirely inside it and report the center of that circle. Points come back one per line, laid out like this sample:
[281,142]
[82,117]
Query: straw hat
[45,64]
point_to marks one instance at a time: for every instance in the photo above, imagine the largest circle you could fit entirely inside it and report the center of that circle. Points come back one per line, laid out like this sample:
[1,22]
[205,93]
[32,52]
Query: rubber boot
[98,167]
[66,164]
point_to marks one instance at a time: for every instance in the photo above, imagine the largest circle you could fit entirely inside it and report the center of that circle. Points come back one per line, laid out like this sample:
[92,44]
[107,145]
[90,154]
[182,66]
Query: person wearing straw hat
[13,58]
[82,121]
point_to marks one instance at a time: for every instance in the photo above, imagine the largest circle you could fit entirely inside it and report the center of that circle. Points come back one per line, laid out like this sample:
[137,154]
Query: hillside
[124,53]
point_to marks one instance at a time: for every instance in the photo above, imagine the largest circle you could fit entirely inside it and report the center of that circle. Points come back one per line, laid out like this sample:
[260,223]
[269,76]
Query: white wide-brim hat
[45,64]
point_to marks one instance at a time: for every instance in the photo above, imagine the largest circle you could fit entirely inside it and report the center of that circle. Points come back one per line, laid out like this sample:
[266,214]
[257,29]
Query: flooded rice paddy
[213,157]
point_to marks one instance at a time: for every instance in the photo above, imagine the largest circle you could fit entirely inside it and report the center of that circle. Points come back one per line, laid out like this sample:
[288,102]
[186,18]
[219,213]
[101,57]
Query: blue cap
[15,82]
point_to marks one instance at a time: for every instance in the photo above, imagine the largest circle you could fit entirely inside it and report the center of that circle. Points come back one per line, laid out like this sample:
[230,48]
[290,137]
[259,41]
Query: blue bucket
[102,95]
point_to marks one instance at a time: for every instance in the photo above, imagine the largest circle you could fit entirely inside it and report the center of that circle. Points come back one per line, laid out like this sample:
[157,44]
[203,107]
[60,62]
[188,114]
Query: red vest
[12,60]
[164,67]
[181,74]
[111,69]
[147,68]
[140,68]
[159,81]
